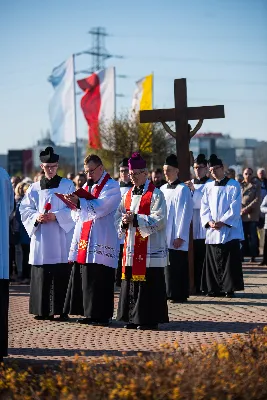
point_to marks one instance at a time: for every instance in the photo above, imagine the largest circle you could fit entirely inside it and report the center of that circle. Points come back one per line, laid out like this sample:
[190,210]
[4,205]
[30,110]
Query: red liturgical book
[81,193]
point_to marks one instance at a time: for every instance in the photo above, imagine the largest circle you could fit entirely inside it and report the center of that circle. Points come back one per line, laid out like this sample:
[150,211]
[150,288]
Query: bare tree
[123,136]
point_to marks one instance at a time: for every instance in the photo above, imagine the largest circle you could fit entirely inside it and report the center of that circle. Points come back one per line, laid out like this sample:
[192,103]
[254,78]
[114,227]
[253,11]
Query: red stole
[140,243]
[86,229]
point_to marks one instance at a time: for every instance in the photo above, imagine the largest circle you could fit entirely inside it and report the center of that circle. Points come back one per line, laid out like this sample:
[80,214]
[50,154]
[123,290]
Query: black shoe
[44,318]
[130,326]
[153,327]
[62,318]
[174,301]
[211,294]
[229,294]
[252,259]
[263,263]
[100,323]
[85,321]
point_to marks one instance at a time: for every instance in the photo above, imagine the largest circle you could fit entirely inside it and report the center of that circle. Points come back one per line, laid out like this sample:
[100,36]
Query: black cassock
[222,271]
[91,291]
[199,259]
[49,282]
[119,269]
[49,285]
[4,300]
[177,275]
[143,302]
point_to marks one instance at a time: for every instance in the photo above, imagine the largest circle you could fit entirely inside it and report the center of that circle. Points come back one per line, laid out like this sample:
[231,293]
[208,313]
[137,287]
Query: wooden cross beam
[181,114]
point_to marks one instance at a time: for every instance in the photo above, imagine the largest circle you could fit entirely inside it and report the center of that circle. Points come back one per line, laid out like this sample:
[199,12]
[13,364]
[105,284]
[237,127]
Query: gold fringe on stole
[141,278]
[123,275]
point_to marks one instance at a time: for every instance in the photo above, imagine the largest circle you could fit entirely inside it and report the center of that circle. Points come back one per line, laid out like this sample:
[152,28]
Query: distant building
[232,151]
[20,162]
[3,161]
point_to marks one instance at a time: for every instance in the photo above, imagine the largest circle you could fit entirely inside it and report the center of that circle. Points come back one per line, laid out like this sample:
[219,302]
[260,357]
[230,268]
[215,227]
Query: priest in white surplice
[51,234]
[196,186]
[95,247]
[6,207]
[179,215]
[220,215]
[141,216]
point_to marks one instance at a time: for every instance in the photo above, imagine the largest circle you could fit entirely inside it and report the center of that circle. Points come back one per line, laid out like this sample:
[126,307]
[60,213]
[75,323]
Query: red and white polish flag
[98,102]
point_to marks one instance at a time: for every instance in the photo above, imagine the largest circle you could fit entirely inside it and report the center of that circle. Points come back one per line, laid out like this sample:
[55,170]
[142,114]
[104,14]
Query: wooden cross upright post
[181,114]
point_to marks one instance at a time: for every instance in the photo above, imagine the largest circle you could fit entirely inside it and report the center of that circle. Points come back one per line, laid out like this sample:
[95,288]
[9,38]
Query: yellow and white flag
[143,100]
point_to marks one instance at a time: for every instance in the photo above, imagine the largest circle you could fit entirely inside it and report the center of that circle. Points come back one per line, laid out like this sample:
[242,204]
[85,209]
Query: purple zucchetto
[136,162]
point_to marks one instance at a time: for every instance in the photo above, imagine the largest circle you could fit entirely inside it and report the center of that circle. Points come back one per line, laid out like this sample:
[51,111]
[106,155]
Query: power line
[202,61]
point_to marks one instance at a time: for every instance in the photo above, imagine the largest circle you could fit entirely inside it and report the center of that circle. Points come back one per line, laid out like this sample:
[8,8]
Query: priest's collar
[91,182]
[138,190]
[222,182]
[126,184]
[174,184]
[52,183]
[201,180]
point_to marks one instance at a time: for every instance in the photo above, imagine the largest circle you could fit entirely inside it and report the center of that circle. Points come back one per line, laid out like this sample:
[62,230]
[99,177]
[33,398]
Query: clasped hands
[44,218]
[216,225]
[190,185]
[128,217]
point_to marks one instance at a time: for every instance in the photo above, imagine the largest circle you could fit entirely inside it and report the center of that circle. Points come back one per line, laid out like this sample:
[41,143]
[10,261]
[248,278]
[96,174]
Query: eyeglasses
[90,171]
[50,166]
[215,168]
[124,171]
[135,173]
[198,167]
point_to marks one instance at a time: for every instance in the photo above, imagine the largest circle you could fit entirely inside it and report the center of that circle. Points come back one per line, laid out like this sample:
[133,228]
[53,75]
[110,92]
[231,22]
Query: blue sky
[220,46]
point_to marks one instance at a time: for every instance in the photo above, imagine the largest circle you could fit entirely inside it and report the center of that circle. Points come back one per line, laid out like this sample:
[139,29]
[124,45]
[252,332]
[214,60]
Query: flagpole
[75,120]
[152,164]
[115,111]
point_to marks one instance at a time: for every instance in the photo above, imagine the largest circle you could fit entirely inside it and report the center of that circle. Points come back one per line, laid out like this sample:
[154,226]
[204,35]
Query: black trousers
[251,238]
[26,267]
[4,301]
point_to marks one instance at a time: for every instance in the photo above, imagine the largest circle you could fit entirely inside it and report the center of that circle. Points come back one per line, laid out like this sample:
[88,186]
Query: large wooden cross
[181,114]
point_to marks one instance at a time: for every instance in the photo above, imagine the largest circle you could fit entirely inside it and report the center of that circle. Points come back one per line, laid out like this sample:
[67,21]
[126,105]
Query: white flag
[62,103]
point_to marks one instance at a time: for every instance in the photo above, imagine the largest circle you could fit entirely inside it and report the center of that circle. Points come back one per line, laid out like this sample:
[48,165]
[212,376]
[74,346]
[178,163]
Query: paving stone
[200,320]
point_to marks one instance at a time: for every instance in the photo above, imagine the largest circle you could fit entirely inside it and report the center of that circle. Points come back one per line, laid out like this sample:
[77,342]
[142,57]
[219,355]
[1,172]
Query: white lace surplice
[222,203]
[103,247]
[50,242]
[179,211]
[152,226]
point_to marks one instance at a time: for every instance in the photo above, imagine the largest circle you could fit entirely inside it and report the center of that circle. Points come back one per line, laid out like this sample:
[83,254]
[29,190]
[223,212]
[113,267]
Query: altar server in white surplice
[125,185]
[6,208]
[197,186]
[95,247]
[179,215]
[48,222]
[220,215]
[141,216]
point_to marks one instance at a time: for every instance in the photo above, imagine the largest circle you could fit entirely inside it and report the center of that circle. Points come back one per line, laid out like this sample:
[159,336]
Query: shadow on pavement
[210,326]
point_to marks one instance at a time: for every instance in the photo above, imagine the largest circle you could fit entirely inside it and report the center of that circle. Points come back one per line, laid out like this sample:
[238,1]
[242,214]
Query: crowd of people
[79,237]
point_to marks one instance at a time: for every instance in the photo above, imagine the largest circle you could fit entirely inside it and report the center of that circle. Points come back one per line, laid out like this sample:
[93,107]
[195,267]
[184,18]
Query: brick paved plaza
[201,320]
